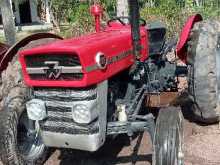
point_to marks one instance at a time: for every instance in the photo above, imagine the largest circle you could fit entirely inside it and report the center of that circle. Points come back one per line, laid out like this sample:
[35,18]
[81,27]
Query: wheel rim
[30,145]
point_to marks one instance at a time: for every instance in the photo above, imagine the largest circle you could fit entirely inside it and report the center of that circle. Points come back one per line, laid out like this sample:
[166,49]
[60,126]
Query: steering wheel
[122,21]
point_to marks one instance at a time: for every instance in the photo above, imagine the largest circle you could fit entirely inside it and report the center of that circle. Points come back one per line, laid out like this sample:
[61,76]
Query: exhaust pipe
[135,27]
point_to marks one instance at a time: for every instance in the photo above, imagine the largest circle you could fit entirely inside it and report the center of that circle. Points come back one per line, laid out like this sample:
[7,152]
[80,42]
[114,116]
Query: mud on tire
[13,95]
[203,55]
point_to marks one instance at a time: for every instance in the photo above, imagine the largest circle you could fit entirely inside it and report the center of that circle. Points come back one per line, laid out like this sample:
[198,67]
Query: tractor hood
[82,61]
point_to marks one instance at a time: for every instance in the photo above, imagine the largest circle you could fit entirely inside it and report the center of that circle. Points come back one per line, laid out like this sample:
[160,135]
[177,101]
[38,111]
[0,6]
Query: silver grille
[61,94]
[59,120]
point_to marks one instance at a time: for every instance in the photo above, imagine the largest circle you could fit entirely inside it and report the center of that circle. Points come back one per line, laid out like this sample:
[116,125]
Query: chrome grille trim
[63,70]
[69,127]
[59,120]
[67,95]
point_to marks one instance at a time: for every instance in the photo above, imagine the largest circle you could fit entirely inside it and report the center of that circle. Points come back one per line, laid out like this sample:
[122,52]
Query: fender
[181,49]
[12,51]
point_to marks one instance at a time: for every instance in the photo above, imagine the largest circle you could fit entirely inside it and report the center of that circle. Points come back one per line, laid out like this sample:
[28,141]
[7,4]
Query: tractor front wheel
[20,142]
[19,145]
[168,137]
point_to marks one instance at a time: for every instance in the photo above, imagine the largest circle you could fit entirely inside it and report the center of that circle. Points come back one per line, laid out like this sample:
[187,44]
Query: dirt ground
[202,147]
[201,143]
[117,152]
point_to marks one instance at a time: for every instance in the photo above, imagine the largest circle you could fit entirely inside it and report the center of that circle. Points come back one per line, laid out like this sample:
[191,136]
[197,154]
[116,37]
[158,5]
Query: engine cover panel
[115,45]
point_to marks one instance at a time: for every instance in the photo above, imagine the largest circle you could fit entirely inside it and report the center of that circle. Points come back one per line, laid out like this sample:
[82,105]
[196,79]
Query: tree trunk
[8,21]
[122,8]
[47,8]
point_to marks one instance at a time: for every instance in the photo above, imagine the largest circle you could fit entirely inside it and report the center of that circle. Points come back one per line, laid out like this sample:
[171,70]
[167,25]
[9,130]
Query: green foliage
[167,12]
[172,12]
[81,19]
[189,3]
[61,9]
[109,6]
[77,15]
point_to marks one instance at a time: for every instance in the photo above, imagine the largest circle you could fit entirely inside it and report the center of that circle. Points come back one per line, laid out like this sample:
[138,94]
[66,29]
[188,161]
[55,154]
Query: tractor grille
[60,120]
[59,104]
[65,94]
[54,67]
[64,60]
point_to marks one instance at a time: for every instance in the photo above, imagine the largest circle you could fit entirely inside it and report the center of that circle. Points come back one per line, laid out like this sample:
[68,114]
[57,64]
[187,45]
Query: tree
[8,21]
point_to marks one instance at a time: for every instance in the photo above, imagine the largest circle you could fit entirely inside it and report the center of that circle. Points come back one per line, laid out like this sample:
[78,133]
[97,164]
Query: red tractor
[75,93]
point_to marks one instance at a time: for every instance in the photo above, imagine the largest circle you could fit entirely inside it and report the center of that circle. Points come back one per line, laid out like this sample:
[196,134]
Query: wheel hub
[29,142]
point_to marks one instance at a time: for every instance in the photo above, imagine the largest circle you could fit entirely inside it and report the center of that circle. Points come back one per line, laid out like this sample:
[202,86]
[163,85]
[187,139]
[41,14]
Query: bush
[78,17]
[174,13]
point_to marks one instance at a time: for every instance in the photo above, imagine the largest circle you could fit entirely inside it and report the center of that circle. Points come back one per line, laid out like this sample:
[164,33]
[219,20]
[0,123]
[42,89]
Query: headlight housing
[85,113]
[36,110]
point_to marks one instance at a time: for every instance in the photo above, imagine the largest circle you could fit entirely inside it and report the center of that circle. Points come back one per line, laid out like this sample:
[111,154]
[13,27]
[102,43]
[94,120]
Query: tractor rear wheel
[168,138]
[204,76]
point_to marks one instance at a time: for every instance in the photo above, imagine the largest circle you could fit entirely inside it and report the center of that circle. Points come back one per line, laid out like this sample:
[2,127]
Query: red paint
[181,49]
[112,42]
[97,11]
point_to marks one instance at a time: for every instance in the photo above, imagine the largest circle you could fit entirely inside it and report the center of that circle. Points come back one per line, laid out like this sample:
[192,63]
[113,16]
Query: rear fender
[181,49]
[6,57]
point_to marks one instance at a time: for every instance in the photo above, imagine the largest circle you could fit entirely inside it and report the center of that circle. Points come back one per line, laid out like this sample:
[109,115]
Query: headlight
[36,109]
[84,113]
